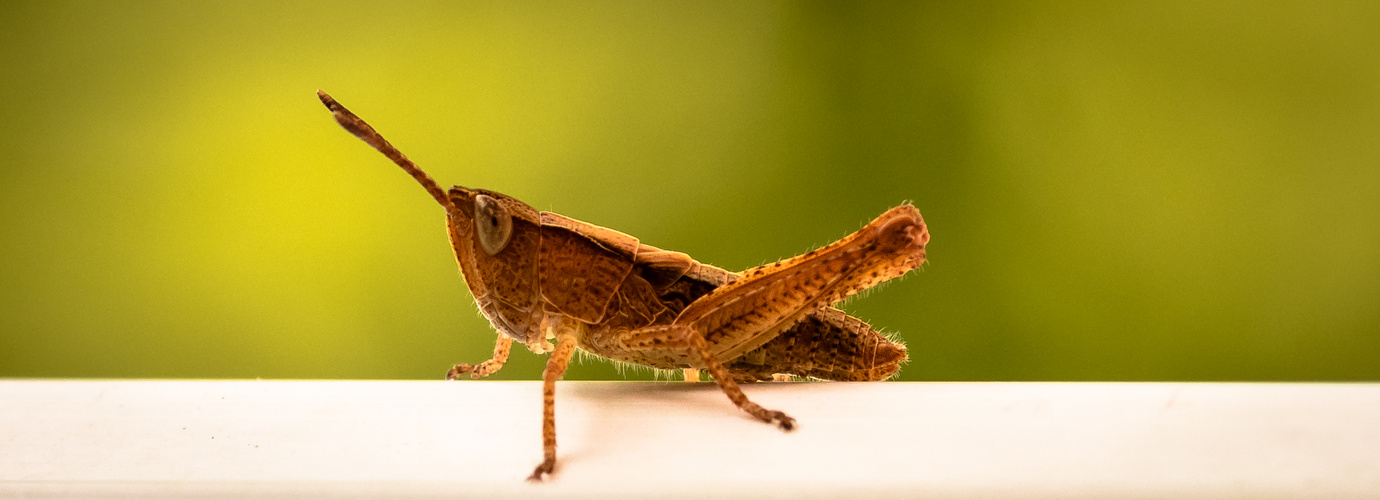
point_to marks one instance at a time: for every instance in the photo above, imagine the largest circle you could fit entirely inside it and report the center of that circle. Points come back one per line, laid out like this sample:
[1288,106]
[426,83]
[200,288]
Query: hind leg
[680,342]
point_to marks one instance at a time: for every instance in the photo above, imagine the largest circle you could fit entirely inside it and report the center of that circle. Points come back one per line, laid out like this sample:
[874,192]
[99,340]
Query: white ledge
[312,439]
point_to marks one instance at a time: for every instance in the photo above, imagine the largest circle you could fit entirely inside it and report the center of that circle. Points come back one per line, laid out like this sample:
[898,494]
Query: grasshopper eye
[492,222]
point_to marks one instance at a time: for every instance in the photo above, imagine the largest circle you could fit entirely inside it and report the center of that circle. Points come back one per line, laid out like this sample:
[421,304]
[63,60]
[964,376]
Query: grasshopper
[540,276]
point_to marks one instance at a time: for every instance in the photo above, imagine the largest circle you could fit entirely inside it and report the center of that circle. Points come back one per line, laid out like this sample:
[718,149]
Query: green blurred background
[1116,190]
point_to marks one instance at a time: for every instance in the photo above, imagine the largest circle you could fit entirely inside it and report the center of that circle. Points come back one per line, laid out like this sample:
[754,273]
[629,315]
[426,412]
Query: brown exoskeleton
[539,275]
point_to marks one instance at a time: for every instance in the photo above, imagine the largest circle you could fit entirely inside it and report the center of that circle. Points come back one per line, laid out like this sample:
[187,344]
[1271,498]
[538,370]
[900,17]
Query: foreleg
[501,349]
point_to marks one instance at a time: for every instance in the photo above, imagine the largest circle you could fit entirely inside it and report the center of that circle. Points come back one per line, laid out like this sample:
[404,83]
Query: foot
[782,420]
[778,417]
[458,370]
[546,467]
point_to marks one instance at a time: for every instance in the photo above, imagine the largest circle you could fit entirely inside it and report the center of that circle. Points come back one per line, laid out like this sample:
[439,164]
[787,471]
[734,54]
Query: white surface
[315,439]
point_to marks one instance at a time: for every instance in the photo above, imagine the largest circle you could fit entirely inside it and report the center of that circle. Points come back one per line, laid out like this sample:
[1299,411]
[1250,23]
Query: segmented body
[560,267]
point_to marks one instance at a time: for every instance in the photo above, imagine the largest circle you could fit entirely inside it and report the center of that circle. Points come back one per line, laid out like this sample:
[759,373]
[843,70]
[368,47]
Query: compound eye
[492,223]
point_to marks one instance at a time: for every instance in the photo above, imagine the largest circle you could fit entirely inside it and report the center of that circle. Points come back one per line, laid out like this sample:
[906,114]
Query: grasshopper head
[496,239]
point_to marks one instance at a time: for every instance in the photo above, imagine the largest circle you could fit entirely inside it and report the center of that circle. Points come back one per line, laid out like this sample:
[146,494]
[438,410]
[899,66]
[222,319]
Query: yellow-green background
[1116,190]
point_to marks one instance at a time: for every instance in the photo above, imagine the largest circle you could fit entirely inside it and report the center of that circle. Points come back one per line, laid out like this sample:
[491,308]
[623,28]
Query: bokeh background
[1116,190]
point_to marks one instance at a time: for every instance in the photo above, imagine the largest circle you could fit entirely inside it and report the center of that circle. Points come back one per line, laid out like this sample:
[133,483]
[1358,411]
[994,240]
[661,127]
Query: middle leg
[555,368]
